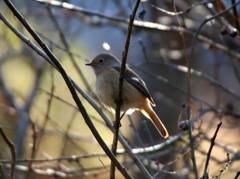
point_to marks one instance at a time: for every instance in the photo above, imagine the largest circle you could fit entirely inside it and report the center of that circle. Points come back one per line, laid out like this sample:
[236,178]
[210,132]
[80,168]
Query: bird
[135,95]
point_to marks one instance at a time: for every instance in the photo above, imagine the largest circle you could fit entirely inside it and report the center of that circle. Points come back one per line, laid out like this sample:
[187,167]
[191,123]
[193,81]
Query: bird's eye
[101,60]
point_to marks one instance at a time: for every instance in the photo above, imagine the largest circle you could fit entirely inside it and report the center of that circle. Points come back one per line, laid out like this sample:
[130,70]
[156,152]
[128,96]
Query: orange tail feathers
[150,114]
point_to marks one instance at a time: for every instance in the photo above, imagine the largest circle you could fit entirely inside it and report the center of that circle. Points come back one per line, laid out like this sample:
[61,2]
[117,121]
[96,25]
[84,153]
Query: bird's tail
[150,114]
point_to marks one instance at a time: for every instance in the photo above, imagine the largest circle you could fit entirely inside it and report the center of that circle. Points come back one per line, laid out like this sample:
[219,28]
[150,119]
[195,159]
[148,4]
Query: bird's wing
[131,77]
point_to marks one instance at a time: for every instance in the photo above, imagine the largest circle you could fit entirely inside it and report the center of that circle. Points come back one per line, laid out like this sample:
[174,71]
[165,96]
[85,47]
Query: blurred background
[38,114]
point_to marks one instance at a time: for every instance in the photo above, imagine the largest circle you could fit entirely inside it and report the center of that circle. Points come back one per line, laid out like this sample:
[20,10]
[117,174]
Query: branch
[187,10]
[237,174]
[67,48]
[205,174]
[119,100]
[13,152]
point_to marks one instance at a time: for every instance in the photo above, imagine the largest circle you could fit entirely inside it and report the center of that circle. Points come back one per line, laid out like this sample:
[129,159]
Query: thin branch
[138,138]
[13,152]
[187,10]
[66,46]
[143,49]
[194,72]
[165,80]
[189,96]
[204,76]
[235,12]
[205,173]
[64,171]
[119,100]
[237,175]
[229,28]
[225,166]
[72,158]
[48,110]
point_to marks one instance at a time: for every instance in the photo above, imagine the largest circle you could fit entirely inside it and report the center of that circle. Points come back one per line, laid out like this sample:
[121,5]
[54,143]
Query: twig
[205,173]
[143,49]
[191,139]
[197,73]
[189,96]
[48,110]
[67,158]
[187,10]
[33,152]
[140,141]
[235,12]
[237,175]
[119,100]
[64,171]
[229,28]
[13,152]
[165,80]
[66,46]
[225,166]
[194,72]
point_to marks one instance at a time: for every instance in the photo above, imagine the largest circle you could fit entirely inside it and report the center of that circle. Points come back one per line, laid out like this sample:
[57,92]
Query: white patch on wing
[136,79]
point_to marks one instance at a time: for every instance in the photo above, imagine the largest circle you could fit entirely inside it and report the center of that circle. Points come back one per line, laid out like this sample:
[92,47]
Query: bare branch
[13,152]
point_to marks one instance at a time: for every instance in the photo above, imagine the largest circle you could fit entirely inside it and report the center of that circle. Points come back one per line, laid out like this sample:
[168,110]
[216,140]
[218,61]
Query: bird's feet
[116,126]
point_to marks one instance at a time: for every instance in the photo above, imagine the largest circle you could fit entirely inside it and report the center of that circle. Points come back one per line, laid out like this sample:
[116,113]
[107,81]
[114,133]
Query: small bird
[135,95]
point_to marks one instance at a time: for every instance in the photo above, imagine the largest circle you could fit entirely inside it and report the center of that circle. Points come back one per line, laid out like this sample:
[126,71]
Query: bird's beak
[89,64]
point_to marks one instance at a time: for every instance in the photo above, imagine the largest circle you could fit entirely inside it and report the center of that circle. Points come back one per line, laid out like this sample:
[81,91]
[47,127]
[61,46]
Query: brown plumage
[135,94]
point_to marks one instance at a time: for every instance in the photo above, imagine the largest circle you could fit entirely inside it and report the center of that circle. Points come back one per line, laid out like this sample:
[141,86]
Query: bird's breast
[107,92]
